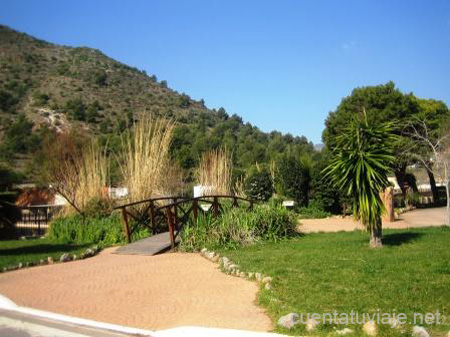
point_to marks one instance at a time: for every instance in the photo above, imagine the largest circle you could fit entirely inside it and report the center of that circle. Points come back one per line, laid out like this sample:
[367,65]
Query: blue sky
[281,65]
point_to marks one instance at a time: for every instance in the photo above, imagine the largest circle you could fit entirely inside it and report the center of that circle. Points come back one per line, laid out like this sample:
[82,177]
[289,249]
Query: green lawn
[320,273]
[15,251]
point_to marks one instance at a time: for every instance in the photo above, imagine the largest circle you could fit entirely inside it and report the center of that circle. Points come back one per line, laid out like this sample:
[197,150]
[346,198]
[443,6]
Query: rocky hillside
[57,85]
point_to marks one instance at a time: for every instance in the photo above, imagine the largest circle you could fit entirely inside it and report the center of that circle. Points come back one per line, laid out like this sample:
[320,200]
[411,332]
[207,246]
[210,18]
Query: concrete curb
[7,304]
[184,331]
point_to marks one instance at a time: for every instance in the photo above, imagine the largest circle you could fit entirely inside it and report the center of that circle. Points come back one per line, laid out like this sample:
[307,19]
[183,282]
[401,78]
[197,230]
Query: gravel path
[416,218]
[152,292]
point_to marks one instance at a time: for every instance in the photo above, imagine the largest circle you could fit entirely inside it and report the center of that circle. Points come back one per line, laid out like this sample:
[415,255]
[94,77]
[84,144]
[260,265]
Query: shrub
[293,179]
[313,211]
[78,230]
[325,196]
[98,208]
[76,109]
[40,99]
[259,185]
[237,226]
[7,101]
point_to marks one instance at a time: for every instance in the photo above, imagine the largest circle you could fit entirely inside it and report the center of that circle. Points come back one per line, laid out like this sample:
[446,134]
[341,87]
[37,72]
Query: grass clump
[237,226]
[145,163]
[312,212]
[215,172]
[75,229]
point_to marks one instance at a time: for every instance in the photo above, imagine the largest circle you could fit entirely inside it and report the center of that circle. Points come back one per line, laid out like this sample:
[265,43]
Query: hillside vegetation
[46,87]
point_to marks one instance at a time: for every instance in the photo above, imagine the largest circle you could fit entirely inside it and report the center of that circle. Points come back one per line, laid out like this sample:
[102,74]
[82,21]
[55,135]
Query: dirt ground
[416,218]
[152,292]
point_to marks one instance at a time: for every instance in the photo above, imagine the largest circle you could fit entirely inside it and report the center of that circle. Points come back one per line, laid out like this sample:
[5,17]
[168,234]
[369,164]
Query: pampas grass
[214,171]
[93,174]
[145,163]
[239,187]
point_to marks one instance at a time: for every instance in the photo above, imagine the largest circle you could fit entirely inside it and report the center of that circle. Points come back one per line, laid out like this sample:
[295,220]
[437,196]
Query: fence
[27,221]
[172,213]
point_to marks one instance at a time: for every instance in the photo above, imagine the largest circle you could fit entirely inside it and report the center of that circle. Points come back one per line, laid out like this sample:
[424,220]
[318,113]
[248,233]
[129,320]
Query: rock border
[230,268]
[65,257]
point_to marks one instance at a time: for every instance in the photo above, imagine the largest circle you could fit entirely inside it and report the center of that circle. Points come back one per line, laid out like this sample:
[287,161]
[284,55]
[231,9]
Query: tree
[292,179]
[382,103]
[19,137]
[258,184]
[362,158]
[324,195]
[434,113]
[434,153]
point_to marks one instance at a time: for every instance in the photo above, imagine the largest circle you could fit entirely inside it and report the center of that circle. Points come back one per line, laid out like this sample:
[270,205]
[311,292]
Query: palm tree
[361,161]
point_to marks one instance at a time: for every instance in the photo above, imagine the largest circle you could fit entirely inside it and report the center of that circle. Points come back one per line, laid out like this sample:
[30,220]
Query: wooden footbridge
[165,217]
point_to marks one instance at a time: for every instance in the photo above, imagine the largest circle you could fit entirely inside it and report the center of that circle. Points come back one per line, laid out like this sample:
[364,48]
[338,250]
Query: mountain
[54,84]
[44,86]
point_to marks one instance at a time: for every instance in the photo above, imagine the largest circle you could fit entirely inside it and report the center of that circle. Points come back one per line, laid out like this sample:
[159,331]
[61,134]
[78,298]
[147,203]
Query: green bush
[237,226]
[292,179]
[313,211]
[98,208]
[259,185]
[324,196]
[78,230]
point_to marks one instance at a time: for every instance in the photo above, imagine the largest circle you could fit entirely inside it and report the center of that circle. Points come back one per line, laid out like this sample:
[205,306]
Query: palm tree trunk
[375,235]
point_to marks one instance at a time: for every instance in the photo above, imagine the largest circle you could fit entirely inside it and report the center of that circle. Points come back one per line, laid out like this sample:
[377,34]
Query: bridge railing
[174,213]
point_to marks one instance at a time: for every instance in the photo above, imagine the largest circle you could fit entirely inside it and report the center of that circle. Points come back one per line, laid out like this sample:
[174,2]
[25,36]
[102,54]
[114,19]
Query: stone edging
[65,257]
[228,267]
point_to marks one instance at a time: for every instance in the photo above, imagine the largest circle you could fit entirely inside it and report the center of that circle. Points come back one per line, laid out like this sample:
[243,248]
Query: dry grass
[239,187]
[78,173]
[145,163]
[93,175]
[215,171]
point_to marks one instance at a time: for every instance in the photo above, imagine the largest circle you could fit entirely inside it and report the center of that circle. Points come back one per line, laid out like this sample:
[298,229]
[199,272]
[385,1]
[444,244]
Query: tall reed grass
[93,175]
[145,163]
[215,171]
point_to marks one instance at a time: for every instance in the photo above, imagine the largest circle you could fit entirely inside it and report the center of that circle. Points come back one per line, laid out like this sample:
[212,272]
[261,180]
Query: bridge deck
[149,246]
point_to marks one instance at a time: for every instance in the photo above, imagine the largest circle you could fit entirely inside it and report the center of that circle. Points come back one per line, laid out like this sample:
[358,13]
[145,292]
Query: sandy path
[415,218]
[154,292]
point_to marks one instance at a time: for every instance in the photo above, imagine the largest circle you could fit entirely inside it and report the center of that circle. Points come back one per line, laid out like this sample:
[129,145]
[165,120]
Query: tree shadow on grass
[398,239]
[40,249]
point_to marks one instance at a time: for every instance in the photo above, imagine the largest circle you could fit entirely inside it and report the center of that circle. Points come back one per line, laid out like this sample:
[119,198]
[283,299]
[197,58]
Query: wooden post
[194,209]
[216,206]
[39,221]
[235,202]
[388,200]
[175,212]
[170,224]
[251,205]
[127,226]
[152,216]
